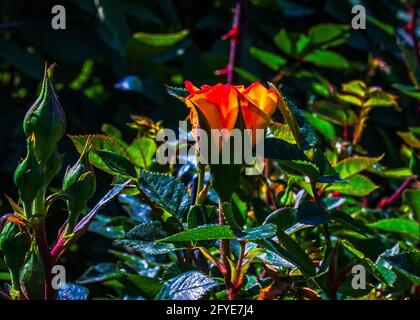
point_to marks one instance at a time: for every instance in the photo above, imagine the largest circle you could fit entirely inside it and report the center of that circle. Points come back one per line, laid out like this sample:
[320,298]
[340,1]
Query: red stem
[224,254]
[44,251]
[57,250]
[397,192]
[235,40]
[412,29]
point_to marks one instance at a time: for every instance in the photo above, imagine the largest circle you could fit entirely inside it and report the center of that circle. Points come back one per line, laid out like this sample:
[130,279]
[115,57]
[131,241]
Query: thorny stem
[44,250]
[200,185]
[360,124]
[225,253]
[325,225]
[412,28]
[235,35]
[397,192]
[236,284]
[42,243]
[57,249]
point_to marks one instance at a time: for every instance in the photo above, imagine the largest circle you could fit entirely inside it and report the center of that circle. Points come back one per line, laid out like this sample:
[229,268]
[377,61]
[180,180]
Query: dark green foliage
[340,183]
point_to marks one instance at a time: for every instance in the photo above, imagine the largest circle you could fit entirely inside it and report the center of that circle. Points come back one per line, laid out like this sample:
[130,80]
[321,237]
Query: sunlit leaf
[327,59]
[206,232]
[271,60]
[356,185]
[397,225]
[166,191]
[354,165]
[408,264]
[328,34]
[188,286]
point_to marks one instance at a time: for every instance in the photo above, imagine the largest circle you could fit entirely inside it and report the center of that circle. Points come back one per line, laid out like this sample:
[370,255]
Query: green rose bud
[53,166]
[80,183]
[28,177]
[32,275]
[45,119]
[14,244]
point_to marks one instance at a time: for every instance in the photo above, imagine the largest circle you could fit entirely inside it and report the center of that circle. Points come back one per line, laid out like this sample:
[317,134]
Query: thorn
[231,34]
[221,71]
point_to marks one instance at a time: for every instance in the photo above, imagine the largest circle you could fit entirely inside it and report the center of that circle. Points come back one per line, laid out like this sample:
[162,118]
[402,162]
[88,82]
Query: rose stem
[235,40]
[397,192]
[224,253]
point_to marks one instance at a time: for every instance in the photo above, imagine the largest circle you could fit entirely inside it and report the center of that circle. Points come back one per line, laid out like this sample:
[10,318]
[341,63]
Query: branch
[396,194]
[235,36]
[411,26]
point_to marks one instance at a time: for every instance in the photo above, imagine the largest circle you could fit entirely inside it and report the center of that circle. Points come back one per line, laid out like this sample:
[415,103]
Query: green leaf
[410,138]
[311,213]
[148,231]
[291,43]
[280,150]
[387,28]
[349,222]
[229,216]
[280,131]
[305,168]
[142,151]
[112,131]
[328,34]
[206,232]
[351,166]
[166,191]
[200,215]
[395,173]
[117,164]
[322,126]
[350,99]
[283,218]
[379,98]
[265,231]
[146,247]
[380,272]
[141,285]
[356,185]
[408,90]
[355,87]
[397,225]
[327,59]
[278,256]
[331,112]
[271,60]
[99,142]
[177,92]
[160,40]
[283,42]
[293,248]
[408,264]
[412,199]
[304,134]
[73,292]
[327,172]
[188,286]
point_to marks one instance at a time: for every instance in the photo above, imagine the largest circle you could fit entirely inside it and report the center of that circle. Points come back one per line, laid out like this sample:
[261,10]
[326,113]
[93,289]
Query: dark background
[97,52]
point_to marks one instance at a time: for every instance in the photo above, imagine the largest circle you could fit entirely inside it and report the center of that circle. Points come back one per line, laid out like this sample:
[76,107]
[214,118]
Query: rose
[219,106]
[227,107]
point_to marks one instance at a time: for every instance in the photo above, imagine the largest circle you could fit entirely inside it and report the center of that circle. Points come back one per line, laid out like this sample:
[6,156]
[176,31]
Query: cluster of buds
[23,245]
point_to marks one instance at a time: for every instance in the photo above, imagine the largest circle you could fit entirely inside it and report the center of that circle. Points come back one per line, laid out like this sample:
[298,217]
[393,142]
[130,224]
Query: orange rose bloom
[220,105]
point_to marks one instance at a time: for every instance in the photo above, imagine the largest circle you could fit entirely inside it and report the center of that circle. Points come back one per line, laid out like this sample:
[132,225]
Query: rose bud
[45,119]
